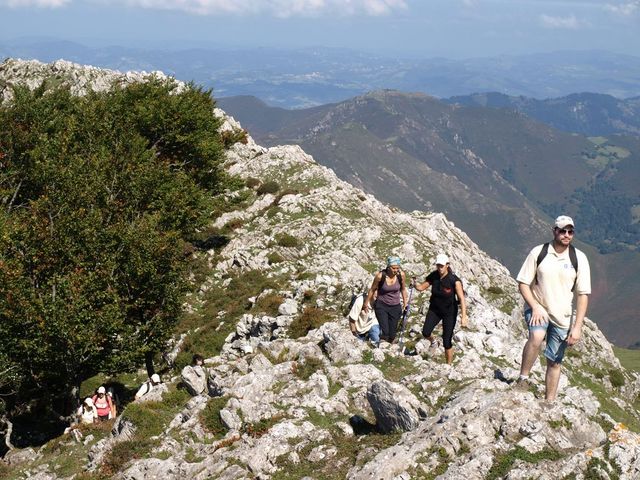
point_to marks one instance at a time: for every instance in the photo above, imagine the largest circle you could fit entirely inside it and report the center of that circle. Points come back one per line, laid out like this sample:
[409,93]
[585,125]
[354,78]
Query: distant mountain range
[500,175]
[299,78]
[590,114]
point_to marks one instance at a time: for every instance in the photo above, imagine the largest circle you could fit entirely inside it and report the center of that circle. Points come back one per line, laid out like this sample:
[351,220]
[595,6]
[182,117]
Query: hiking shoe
[523,384]
[434,344]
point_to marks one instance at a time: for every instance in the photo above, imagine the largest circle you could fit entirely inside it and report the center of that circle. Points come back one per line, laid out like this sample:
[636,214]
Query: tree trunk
[7,433]
[148,361]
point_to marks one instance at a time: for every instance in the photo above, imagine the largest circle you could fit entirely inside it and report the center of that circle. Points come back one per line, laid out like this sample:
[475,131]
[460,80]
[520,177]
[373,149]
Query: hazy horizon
[455,29]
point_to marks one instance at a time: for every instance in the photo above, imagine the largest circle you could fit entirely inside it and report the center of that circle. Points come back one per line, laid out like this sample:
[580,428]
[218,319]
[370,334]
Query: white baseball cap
[102,390]
[89,401]
[155,378]
[442,259]
[562,221]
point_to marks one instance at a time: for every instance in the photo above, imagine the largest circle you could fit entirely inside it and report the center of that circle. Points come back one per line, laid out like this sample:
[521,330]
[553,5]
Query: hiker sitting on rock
[445,287]
[363,324]
[148,386]
[103,403]
[389,286]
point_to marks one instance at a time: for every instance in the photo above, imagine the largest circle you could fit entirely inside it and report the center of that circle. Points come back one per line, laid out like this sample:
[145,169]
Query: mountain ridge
[307,405]
[473,163]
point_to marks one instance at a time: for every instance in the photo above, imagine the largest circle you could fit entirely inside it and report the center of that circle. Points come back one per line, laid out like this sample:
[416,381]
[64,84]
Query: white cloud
[566,23]
[34,3]
[277,8]
[625,9]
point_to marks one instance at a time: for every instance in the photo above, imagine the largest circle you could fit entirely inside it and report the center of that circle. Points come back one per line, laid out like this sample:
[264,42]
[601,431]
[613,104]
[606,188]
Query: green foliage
[629,358]
[270,303]
[310,319]
[233,299]
[286,240]
[274,257]
[616,377]
[270,186]
[503,462]
[210,416]
[307,368]
[97,197]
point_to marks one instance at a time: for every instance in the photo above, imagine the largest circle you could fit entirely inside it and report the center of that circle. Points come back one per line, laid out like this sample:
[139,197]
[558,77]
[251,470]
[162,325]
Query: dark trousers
[448,324]
[388,316]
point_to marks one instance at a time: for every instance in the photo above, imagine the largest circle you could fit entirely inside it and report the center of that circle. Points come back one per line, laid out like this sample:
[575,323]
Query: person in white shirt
[147,386]
[363,322]
[548,282]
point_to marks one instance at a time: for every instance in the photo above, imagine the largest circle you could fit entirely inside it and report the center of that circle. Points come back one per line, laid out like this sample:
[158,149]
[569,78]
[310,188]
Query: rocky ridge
[320,395]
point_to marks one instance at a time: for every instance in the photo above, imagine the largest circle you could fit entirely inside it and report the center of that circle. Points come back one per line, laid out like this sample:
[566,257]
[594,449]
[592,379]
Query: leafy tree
[98,195]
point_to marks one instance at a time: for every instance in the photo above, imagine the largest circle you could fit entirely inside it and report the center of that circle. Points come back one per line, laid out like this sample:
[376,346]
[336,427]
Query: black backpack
[354,297]
[384,277]
[572,256]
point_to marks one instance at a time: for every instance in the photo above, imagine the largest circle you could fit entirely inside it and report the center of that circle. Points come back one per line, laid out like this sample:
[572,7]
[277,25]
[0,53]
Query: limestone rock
[394,407]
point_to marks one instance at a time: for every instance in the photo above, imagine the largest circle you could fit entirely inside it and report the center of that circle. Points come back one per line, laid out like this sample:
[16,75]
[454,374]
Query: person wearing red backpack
[103,404]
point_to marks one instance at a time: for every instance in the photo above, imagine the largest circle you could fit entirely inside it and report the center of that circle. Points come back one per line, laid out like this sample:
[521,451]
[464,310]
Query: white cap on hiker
[155,378]
[89,401]
[442,259]
[102,390]
[562,221]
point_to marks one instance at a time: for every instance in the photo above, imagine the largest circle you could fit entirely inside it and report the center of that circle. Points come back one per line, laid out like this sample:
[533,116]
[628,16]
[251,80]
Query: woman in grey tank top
[391,300]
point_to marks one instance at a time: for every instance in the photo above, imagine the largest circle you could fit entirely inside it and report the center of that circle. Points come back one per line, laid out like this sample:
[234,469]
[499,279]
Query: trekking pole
[405,315]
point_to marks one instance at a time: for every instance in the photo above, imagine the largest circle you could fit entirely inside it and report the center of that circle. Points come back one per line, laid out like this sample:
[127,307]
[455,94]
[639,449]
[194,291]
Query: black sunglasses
[566,231]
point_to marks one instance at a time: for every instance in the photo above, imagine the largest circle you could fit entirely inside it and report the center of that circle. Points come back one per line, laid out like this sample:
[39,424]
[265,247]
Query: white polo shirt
[555,281]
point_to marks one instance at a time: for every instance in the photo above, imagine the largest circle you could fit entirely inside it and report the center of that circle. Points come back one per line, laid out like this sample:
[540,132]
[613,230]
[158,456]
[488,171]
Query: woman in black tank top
[445,287]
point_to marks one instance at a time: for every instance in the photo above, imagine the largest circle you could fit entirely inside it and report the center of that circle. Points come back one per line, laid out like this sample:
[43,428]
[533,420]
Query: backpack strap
[572,256]
[384,277]
[574,261]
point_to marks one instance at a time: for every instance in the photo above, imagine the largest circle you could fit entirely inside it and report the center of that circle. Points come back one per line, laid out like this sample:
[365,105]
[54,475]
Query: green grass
[150,420]
[309,319]
[503,462]
[393,369]
[233,299]
[210,417]
[629,358]
[350,453]
[606,403]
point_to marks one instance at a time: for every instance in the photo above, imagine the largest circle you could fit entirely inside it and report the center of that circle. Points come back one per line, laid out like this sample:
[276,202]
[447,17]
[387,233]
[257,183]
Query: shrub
[495,290]
[270,303]
[617,378]
[252,182]
[307,368]
[268,187]
[210,417]
[286,240]
[274,257]
[310,319]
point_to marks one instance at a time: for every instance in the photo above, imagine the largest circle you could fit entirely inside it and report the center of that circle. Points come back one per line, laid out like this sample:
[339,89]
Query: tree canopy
[98,195]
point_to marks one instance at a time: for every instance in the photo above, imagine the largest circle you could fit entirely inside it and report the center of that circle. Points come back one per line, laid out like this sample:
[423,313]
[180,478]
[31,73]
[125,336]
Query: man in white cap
[548,280]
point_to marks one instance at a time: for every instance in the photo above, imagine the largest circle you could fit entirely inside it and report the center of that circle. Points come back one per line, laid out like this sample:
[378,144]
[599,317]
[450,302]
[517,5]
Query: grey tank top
[389,294]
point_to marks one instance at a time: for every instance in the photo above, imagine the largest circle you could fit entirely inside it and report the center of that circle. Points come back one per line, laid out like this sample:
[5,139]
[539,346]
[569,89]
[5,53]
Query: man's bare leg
[552,379]
[530,351]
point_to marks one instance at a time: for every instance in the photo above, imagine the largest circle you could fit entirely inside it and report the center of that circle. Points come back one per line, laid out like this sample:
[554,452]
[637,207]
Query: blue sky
[426,28]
